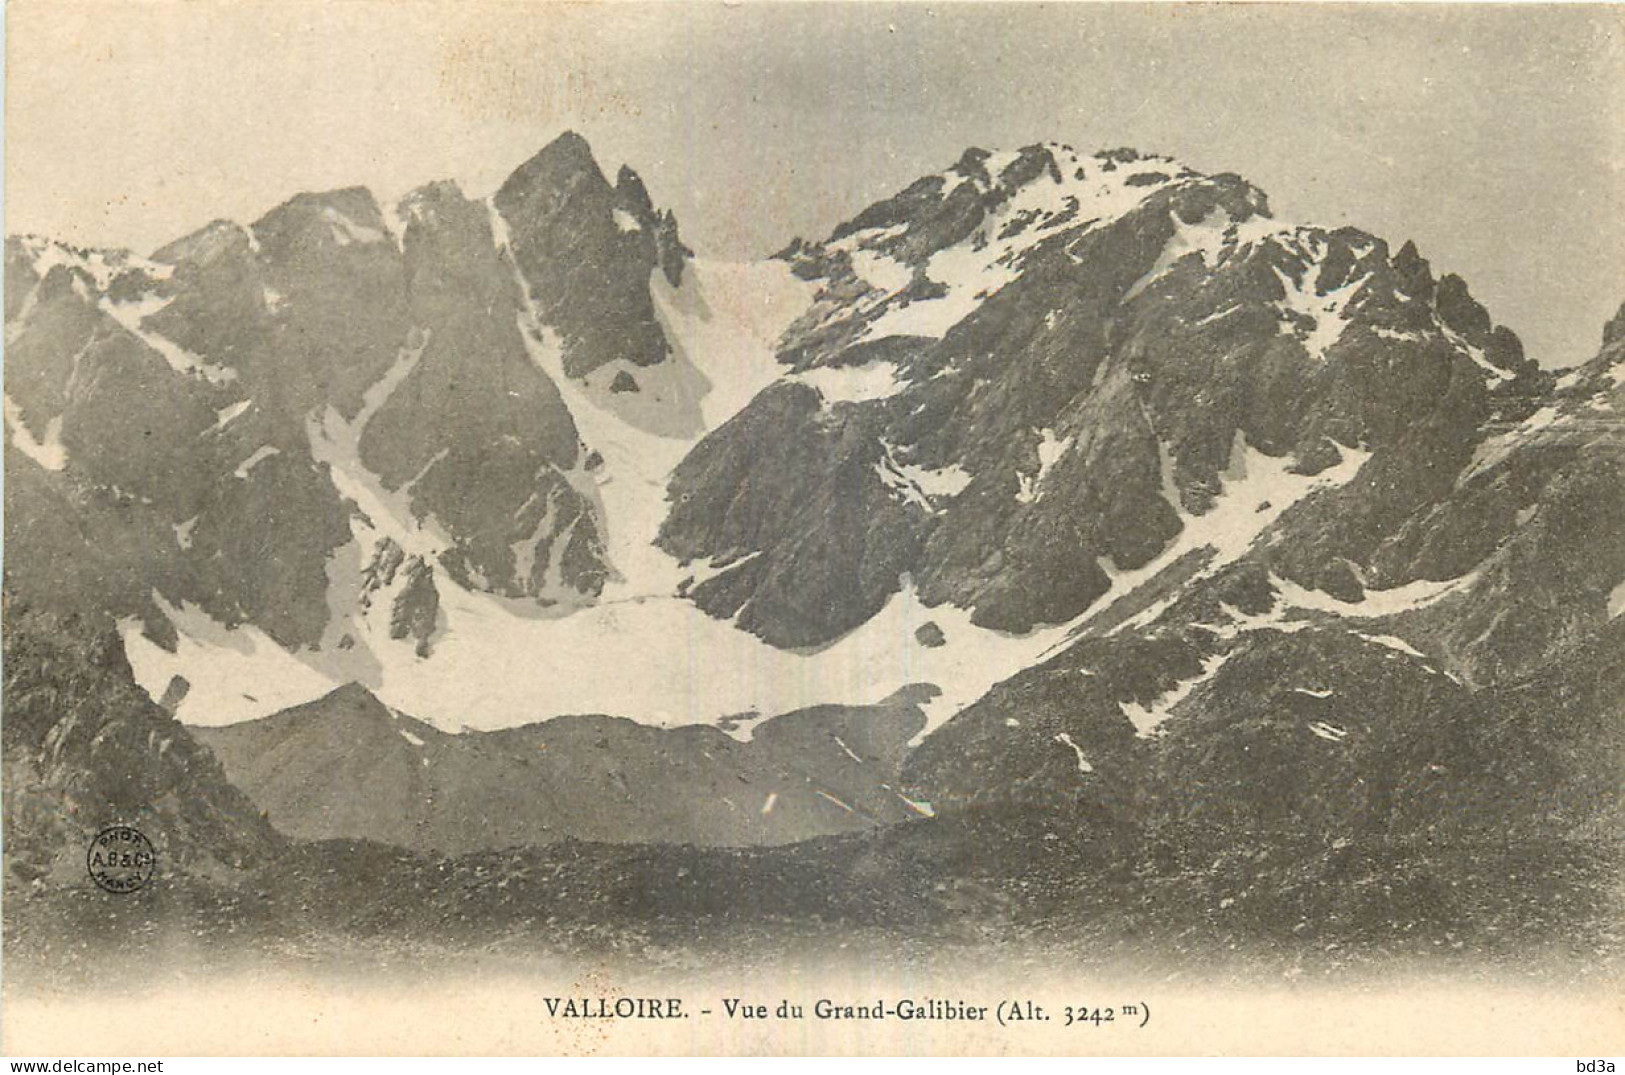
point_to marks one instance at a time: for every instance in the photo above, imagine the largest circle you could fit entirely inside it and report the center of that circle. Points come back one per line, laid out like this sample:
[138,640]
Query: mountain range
[1055,482]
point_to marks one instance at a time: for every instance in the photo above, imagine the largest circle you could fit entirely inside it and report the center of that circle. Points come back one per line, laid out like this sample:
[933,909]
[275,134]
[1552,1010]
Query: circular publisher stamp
[121,859]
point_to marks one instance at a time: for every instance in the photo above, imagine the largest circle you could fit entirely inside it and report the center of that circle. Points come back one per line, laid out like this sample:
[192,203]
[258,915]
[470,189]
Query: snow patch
[261,454]
[1376,603]
[346,231]
[1083,763]
[1327,313]
[727,319]
[1239,622]
[948,481]
[881,271]
[625,221]
[853,384]
[1258,488]
[131,315]
[703,571]
[1050,451]
[1494,373]
[1496,448]
[218,661]
[1330,732]
[1214,239]
[867,238]
[226,415]
[1395,643]
[918,485]
[49,452]
[1219,315]
[102,266]
[1147,719]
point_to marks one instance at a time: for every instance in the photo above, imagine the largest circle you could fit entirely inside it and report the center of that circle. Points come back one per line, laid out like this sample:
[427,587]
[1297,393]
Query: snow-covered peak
[100,266]
[921,261]
[1008,200]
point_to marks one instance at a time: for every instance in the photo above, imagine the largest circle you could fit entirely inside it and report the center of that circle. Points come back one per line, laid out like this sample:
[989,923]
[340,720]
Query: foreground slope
[348,766]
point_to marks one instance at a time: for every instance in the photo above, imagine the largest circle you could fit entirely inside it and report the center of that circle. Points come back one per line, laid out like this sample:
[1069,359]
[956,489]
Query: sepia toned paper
[813,529]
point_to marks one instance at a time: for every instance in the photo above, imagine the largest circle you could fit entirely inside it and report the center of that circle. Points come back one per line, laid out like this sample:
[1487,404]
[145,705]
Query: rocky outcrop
[809,485]
[586,250]
[408,590]
[84,748]
[469,427]
[161,469]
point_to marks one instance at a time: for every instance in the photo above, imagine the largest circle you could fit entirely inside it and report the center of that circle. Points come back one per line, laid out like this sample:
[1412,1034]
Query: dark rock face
[171,479]
[1614,331]
[340,280]
[408,586]
[586,249]
[416,607]
[347,766]
[788,472]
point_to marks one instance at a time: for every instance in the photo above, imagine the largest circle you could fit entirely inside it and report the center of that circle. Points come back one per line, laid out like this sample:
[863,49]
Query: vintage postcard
[543,528]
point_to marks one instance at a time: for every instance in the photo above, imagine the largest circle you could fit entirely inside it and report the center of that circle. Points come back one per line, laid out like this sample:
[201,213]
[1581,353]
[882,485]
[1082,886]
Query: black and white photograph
[536,528]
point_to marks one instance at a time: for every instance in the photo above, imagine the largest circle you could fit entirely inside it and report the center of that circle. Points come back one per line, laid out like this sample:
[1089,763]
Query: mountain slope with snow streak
[1082,342]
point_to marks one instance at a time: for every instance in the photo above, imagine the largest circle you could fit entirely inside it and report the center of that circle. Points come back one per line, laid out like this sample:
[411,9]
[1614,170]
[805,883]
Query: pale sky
[1493,136]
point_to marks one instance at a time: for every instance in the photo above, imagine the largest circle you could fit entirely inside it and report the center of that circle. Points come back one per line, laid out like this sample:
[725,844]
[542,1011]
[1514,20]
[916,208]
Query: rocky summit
[1054,482]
